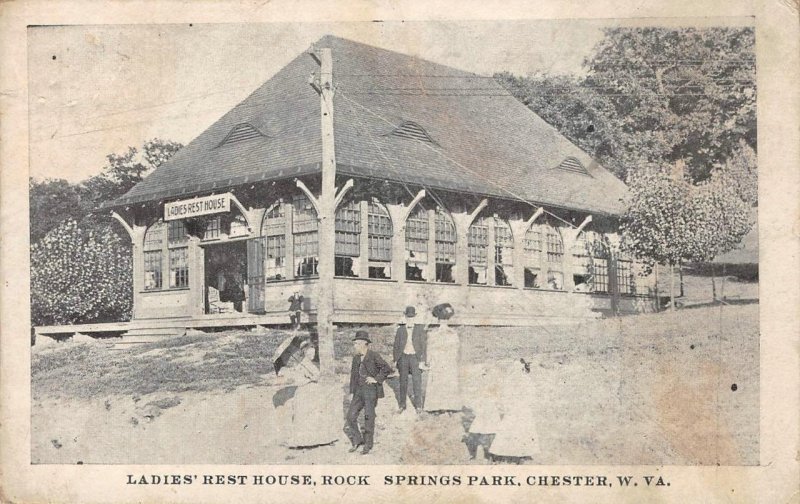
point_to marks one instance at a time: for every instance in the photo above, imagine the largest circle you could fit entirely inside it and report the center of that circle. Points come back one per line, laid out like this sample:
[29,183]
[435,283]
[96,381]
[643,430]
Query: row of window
[543,248]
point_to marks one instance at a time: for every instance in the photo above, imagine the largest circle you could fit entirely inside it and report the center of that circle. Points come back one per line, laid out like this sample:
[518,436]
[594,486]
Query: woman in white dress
[307,406]
[486,408]
[443,392]
[516,437]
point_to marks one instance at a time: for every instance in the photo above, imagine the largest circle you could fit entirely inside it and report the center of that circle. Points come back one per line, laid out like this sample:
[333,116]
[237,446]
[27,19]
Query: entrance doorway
[226,277]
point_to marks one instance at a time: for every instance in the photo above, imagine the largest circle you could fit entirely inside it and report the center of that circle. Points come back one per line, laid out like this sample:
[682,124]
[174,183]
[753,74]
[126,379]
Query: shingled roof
[480,139]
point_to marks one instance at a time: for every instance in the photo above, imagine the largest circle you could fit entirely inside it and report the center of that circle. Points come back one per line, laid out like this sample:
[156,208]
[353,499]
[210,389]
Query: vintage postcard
[314,257]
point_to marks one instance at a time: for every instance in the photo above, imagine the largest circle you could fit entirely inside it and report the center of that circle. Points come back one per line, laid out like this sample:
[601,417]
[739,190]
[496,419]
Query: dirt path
[677,388]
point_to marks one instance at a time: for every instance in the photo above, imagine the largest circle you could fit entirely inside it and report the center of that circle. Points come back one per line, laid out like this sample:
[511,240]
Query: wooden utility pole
[326,216]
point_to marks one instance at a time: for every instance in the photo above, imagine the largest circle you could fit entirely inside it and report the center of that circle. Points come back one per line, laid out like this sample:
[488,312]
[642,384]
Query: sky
[95,90]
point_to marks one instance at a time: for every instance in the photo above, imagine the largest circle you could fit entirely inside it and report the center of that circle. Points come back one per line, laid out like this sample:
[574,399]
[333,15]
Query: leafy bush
[81,273]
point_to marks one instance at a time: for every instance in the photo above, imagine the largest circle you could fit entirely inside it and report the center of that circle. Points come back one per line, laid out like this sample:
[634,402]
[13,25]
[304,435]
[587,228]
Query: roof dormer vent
[412,131]
[573,165]
[241,133]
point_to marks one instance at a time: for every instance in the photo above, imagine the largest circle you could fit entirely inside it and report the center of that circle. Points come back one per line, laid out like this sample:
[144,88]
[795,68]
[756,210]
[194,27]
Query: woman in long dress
[443,392]
[485,406]
[308,405]
[516,437]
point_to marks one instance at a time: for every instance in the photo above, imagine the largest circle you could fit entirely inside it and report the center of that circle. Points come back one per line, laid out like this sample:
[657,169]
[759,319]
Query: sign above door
[195,207]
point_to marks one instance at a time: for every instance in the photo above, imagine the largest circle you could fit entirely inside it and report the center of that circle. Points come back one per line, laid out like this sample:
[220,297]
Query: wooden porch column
[430,274]
[396,213]
[570,236]
[197,277]
[136,234]
[490,258]
[520,228]
[518,231]
[288,216]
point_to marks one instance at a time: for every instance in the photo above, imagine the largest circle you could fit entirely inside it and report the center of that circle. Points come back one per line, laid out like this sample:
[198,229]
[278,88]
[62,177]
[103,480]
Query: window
[177,241]
[532,279]
[445,243]
[478,252]
[273,228]
[238,226]
[305,231]
[155,236]
[379,236]
[555,258]
[152,269]
[176,233]
[228,225]
[155,240]
[626,282]
[417,244]
[347,245]
[179,267]
[591,262]
[212,229]
[532,253]
[503,252]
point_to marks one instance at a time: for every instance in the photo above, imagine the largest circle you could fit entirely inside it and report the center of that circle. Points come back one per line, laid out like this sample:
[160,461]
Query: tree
[741,172]
[724,219]
[80,274]
[657,225]
[123,171]
[683,94]
[670,220]
[51,202]
[655,95]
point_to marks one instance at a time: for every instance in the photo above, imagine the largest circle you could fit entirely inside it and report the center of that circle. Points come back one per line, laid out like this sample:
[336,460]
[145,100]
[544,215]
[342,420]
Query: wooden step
[139,336]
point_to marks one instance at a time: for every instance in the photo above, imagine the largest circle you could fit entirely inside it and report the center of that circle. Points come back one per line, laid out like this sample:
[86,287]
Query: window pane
[306,254]
[305,217]
[238,226]
[532,278]
[177,232]
[152,270]
[555,246]
[155,236]
[478,244]
[445,234]
[379,227]
[345,266]
[276,257]
[212,229]
[179,267]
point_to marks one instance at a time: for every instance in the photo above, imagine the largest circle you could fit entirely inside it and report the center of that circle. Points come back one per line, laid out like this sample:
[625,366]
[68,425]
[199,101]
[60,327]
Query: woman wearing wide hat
[308,404]
[443,392]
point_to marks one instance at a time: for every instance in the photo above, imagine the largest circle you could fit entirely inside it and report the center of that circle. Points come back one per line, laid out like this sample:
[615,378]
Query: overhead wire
[439,152]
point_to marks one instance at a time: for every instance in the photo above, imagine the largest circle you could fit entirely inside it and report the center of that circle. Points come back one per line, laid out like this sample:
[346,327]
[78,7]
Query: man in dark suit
[408,353]
[367,374]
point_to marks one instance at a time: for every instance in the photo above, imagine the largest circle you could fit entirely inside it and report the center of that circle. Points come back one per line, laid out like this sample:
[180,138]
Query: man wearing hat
[367,374]
[408,353]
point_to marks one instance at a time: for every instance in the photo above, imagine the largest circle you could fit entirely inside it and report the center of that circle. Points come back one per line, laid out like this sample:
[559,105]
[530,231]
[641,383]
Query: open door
[255,275]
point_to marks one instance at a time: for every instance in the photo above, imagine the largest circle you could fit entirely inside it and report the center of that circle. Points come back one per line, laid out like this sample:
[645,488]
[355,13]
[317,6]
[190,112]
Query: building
[449,190]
